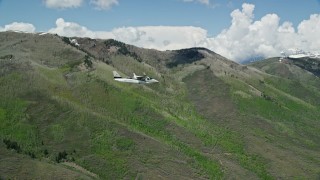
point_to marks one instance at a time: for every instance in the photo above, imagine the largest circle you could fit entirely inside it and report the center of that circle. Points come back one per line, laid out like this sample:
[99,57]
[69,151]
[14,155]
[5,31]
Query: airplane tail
[134,76]
[116,74]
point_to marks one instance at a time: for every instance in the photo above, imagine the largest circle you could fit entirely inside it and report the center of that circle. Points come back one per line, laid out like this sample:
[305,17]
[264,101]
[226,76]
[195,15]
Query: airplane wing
[141,78]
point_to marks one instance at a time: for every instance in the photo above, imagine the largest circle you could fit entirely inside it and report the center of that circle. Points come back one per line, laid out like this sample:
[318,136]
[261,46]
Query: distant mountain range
[298,54]
[62,115]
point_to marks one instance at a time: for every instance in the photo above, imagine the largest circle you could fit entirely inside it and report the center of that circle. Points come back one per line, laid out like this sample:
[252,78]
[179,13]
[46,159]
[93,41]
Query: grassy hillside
[62,113]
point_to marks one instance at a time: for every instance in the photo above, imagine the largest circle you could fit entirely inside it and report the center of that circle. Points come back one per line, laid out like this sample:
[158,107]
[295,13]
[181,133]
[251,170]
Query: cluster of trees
[9,56]
[66,40]
[310,65]
[185,56]
[12,145]
[61,156]
[266,97]
[15,146]
[122,49]
[87,61]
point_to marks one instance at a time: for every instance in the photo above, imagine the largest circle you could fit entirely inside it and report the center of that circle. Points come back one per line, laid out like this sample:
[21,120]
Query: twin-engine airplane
[135,79]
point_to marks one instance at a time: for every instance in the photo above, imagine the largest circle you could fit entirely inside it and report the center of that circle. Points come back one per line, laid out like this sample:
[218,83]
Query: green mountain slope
[62,113]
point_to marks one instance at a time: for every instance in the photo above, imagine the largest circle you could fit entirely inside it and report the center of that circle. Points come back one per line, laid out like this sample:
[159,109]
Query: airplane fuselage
[136,79]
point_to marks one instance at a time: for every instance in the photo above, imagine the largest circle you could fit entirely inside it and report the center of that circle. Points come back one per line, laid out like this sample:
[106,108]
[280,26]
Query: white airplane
[135,79]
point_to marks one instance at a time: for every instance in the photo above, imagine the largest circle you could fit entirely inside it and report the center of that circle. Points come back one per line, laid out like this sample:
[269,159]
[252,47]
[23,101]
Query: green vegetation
[185,56]
[122,48]
[12,145]
[9,56]
[87,61]
[66,40]
[207,118]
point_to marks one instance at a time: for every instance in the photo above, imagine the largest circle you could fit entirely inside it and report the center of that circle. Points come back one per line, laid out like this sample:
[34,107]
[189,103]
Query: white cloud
[206,2]
[19,26]
[62,4]
[104,4]
[161,37]
[286,27]
[157,37]
[309,30]
[71,29]
[244,39]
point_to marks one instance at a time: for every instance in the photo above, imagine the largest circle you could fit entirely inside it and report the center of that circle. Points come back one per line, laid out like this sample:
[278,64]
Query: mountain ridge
[209,117]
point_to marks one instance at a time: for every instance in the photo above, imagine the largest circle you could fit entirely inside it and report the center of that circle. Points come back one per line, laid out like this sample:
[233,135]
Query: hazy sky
[236,29]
